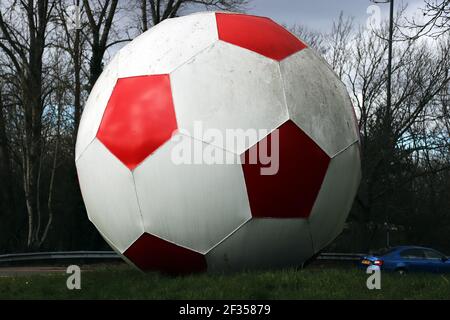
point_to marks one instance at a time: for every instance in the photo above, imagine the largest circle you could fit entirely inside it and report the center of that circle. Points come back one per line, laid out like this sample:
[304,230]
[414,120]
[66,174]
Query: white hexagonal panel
[191,205]
[263,243]
[109,195]
[335,197]
[318,101]
[228,87]
[168,45]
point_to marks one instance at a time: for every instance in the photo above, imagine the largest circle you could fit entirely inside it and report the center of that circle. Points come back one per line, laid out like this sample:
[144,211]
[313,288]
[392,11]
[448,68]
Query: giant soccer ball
[225,72]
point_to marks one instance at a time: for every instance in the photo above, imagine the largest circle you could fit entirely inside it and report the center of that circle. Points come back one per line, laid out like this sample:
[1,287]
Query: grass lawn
[122,282]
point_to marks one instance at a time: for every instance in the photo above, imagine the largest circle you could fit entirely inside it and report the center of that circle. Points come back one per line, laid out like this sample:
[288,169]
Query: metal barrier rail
[57,256]
[341,256]
[53,257]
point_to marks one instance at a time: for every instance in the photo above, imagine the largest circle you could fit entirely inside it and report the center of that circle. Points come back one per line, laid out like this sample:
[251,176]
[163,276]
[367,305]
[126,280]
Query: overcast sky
[319,14]
[316,14]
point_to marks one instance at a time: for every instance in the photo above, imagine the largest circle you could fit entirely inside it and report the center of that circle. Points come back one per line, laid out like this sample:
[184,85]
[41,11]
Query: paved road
[32,270]
[25,271]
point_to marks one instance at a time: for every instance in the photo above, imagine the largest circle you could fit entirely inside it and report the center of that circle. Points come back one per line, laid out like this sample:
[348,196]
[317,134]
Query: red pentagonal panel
[139,118]
[150,253]
[258,34]
[290,191]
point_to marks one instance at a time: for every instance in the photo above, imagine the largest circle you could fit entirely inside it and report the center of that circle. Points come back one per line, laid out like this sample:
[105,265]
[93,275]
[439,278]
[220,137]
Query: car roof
[411,247]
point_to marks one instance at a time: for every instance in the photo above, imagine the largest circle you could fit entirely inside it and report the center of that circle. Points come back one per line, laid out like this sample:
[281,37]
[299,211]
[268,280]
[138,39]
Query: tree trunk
[77,92]
[144,15]
[7,199]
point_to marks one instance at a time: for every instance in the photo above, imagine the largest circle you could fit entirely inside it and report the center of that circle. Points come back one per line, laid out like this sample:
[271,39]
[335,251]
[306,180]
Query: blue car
[409,259]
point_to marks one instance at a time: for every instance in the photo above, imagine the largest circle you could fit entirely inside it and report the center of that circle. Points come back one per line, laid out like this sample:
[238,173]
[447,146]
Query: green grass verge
[122,282]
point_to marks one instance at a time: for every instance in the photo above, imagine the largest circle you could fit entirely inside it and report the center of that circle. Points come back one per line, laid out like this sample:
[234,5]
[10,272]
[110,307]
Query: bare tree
[339,40]
[161,10]
[420,74]
[73,42]
[24,46]
[7,208]
[435,20]
[53,129]
[312,38]
[100,18]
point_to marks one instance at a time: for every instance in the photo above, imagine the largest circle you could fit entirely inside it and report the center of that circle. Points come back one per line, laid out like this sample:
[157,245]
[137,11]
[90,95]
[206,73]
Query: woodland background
[48,66]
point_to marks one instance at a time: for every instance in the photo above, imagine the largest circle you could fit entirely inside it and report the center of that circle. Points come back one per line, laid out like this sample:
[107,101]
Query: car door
[414,260]
[435,260]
